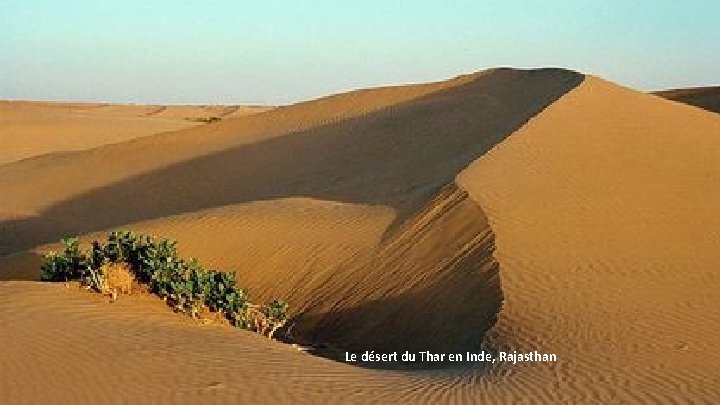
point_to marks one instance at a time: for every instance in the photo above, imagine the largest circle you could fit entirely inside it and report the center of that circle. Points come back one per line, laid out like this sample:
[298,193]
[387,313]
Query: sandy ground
[30,129]
[383,216]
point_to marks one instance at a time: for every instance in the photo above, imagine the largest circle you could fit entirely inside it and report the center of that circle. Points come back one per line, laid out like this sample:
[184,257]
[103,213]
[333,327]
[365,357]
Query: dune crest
[604,209]
[599,202]
[423,288]
[385,170]
[596,203]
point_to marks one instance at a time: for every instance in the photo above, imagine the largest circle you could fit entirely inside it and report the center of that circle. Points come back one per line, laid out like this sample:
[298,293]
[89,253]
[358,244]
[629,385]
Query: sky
[279,52]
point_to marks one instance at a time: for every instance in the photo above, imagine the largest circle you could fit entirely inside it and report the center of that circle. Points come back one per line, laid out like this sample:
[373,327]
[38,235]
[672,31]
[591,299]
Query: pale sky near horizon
[277,52]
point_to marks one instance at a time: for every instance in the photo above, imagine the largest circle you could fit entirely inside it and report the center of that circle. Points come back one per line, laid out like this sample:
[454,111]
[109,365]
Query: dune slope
[605,212]
[398,298]
[381,173]
[602,208]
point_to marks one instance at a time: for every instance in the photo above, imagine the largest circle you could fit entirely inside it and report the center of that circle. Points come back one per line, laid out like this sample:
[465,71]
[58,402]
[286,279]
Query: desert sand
[563,213]
[29,129]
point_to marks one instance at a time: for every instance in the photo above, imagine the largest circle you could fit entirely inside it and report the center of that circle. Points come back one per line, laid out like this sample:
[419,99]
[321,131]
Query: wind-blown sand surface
[605,213]
[382,215]
[391,163]
[30,129]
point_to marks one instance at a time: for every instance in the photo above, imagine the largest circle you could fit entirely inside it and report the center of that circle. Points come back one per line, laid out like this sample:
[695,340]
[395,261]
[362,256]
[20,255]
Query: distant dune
[707,98]
[574,215]
[32,128]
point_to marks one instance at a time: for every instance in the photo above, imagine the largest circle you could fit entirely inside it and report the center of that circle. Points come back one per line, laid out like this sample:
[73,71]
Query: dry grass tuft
[117,278]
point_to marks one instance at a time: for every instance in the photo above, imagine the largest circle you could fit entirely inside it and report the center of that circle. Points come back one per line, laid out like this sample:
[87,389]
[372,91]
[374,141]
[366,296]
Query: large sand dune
[383,215]
[605,213]
[384,170]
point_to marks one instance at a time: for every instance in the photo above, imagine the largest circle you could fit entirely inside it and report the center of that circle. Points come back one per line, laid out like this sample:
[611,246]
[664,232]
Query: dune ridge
[174,173]
[396,297]
[597,204]
[391,168]
[603,211]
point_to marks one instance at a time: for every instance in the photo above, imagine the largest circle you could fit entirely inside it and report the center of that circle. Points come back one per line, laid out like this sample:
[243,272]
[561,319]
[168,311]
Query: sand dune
[30,129]
[707,98]
[604,209]
[125,160]
[392,162]
[397,152]
[383,216]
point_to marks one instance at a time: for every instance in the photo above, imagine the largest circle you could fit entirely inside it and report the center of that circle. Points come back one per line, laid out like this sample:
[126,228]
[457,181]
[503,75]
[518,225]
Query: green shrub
[55,268]
[186,290]
[156,263]
[276,310]
[223,294]
[71,264]
[97,255]
[186,286]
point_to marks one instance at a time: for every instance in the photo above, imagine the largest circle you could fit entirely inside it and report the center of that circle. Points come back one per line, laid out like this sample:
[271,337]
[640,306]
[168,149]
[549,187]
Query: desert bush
[206,120]
[276,310]
[188,287]
[70,264]
[160,267]
[55,268]
[223,294]
[186,291]
[275,314]
[266,319]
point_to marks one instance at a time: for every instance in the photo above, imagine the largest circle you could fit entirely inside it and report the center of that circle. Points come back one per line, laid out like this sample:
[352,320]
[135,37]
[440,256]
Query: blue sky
[275,52]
